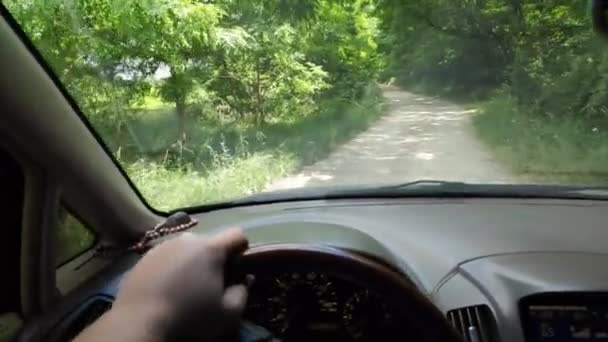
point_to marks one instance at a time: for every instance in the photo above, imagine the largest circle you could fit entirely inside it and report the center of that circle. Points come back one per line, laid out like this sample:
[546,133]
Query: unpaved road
[420,138]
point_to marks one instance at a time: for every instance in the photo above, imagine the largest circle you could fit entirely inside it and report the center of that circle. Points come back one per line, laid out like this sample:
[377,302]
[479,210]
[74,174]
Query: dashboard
[521,270]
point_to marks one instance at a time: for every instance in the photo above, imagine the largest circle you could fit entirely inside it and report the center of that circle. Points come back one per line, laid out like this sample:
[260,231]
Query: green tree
[261,59]
[344,40]
[271,78]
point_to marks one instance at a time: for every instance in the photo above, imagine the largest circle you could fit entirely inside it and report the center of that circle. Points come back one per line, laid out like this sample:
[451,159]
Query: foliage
[254,60]
[544,149]
[458,47]
[223,96]
[233,177]
[351,57]
[226,161]
[474,47]
[270,78]
[538,63]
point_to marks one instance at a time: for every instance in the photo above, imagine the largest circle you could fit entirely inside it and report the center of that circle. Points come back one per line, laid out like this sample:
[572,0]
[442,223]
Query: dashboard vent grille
[474,323]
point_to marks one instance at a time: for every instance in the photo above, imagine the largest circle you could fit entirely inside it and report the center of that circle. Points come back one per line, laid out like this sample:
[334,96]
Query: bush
[225,161]
[233,177]
[542,148]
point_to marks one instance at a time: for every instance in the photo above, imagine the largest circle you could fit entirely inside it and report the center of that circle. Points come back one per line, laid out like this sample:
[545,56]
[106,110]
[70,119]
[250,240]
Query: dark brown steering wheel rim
[358,269]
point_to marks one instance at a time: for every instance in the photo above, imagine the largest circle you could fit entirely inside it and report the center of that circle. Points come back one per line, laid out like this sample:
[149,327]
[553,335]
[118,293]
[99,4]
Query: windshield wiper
[423,189]
[436,188]
[429,184]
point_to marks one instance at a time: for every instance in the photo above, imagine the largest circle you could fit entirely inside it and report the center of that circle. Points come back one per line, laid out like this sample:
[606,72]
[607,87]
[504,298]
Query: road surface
[419,138]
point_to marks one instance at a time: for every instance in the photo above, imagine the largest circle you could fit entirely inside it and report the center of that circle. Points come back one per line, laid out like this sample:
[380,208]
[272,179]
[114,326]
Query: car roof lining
[40,118]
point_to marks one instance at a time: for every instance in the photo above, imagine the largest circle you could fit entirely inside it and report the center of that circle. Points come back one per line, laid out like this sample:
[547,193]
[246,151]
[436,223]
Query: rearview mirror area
[599,15]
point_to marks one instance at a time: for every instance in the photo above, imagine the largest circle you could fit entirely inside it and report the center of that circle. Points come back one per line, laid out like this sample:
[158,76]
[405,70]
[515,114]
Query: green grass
[221,161]
[544,149]
[168,189]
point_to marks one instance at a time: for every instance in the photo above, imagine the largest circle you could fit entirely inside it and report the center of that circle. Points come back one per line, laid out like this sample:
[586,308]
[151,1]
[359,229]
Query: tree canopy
[262,59]
[544,53]
[256,60]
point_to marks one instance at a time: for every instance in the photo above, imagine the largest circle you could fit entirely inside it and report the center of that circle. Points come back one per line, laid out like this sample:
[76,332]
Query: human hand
[177,291]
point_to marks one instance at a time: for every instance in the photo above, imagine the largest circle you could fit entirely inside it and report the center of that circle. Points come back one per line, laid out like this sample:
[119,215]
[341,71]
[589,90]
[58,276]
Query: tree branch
[455,32]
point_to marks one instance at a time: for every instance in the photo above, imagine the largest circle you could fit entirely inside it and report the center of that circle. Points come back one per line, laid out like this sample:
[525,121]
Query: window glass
[73,237]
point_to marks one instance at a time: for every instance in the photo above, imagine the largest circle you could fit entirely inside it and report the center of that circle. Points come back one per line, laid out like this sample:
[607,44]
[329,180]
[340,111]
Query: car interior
[476,269]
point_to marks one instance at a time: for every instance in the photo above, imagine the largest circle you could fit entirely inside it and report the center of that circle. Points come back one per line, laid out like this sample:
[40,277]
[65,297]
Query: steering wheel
[418,318]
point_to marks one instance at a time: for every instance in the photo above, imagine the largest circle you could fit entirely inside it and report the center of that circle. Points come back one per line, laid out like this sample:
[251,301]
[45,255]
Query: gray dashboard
[460,252]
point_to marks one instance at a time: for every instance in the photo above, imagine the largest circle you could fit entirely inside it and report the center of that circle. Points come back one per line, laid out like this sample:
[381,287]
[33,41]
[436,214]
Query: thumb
[234,300]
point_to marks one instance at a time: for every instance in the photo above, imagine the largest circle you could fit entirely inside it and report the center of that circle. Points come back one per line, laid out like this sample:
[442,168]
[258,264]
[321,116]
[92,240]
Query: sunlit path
[419,138]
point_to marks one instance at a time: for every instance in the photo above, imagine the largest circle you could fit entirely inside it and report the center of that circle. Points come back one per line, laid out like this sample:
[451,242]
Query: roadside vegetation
[537,69]
[202,101]
[230,160]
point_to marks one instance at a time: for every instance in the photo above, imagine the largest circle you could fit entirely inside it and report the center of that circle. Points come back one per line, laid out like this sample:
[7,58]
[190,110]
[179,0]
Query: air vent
[90,312]
[474,323]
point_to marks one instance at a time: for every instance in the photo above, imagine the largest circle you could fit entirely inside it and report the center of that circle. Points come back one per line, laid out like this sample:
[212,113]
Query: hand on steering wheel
[177,293]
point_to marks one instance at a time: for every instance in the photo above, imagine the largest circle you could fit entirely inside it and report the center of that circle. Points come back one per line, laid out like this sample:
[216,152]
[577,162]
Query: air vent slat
[474,323]
[452,318]
[482,324]
[463,327]
[470,320]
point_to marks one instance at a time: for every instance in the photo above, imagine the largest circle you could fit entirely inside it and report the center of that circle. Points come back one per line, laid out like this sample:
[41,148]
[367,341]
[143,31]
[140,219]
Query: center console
[565,317]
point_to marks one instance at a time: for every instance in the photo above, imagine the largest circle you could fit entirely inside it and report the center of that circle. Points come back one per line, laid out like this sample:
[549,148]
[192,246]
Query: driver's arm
[177,292]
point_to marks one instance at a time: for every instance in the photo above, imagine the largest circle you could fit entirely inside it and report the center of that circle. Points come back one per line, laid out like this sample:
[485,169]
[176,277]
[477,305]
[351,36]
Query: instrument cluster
[298,306]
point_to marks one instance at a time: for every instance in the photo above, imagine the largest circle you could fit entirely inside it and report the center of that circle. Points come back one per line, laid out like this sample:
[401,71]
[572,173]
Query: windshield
[207,101]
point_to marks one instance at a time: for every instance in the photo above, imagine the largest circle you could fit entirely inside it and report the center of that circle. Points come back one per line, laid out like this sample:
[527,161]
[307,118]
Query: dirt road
[419,138]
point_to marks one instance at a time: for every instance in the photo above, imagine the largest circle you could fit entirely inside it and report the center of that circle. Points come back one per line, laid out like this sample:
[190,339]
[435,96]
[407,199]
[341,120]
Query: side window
[73,237]
[11,209]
